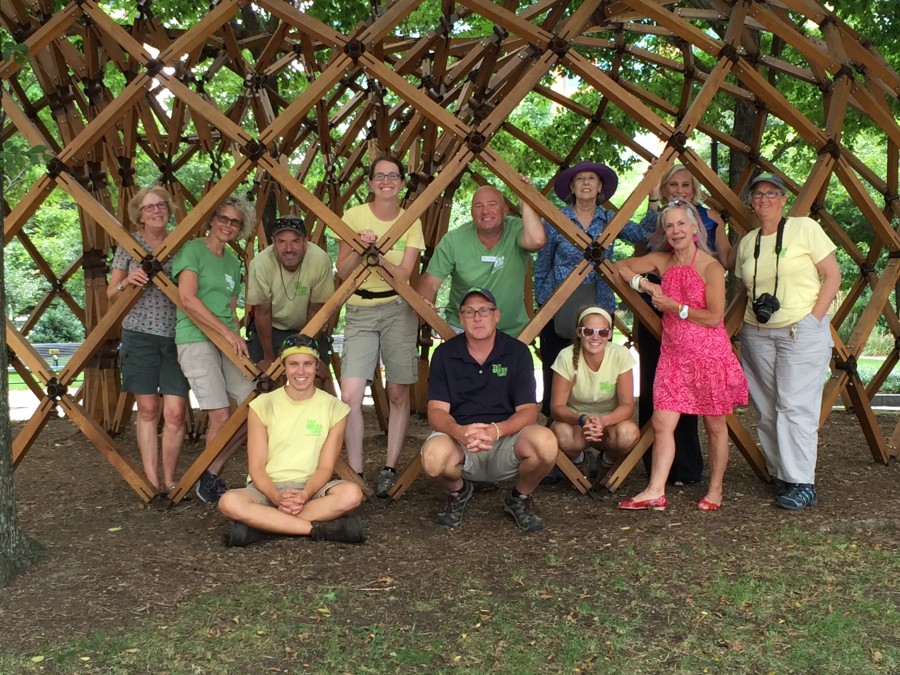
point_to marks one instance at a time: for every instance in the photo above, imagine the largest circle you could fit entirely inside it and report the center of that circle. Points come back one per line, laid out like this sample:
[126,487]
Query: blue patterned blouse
[556,260]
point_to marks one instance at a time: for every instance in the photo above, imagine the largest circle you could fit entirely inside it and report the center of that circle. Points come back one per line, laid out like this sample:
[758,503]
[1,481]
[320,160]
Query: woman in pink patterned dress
[698,373]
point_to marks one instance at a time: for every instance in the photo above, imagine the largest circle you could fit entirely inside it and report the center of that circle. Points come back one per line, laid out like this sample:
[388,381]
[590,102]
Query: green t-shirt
[594,393]
[218,282]
[290,292]
[296,431]
[461,256]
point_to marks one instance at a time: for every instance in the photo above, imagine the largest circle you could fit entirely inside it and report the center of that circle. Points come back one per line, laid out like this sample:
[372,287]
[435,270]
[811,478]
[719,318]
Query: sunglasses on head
[299,341]
[677,202]
[587,331]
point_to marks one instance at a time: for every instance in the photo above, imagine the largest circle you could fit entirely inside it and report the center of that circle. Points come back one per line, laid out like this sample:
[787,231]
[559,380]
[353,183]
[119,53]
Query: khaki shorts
[497,464]
[213,377]
[388,330]
[259,498]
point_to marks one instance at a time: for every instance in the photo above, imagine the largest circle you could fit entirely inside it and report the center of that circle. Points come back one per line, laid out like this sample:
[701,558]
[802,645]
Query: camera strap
[779,238]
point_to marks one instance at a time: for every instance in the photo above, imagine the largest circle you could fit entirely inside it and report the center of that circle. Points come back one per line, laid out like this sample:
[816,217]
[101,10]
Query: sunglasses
[587,331]
[677,202]
[300,341]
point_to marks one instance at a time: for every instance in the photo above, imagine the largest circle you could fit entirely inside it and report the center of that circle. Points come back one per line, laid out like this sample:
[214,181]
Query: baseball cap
[768,178]
[483,292]
[289,223]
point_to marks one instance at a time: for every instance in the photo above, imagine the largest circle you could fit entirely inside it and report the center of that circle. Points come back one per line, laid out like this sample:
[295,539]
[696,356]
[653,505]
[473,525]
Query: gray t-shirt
[154,313]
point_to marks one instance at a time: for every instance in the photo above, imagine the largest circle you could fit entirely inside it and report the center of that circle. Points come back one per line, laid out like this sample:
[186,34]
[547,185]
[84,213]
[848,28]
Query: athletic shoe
[348,530]
[386,480]
[452,515]
[210,487]
[798,497]
[522,510]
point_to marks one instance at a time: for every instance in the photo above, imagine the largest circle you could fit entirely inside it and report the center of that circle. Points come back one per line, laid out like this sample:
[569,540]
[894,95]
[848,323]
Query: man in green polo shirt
[287,283]
[491,251]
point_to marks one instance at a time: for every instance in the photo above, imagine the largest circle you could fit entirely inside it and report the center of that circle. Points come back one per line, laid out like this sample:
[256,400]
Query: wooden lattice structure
[315,101]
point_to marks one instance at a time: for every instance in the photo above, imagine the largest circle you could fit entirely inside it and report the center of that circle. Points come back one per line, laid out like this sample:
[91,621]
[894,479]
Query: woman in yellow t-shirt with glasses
[791,278]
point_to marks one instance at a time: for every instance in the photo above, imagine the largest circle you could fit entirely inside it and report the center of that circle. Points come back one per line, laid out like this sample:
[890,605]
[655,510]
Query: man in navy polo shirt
[482,407]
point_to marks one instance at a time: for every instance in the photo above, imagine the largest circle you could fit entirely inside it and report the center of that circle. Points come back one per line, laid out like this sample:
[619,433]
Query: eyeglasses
[587,331]
[770,194]
[225,220]
[483,312]
[157,206]
[390,176]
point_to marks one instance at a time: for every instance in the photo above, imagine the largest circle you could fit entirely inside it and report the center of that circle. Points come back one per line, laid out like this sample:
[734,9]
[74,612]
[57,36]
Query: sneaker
[210,487]
[348,530]
[452,515]
[386,480]
[782,487]
[241,534]
[522,511]
[798,497]
[587,466]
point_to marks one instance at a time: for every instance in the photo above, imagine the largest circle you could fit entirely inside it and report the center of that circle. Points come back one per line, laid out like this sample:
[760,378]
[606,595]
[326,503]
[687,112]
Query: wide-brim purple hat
[610,180]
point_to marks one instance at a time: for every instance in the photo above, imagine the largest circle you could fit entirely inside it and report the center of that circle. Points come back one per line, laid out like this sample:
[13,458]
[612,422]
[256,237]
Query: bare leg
[217,419]
[536,450]
[238,505]
[352,391]
[569,438]
[442,460]
[174,408]
[146,436]
[717,435]
[619,439]
[398,421]
[664,422]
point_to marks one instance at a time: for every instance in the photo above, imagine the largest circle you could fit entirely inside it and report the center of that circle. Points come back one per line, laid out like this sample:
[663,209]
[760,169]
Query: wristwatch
[582,419]
[683,312]
[120,287]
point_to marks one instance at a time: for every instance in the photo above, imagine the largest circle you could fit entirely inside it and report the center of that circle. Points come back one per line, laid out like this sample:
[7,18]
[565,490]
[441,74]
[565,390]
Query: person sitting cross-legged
[483,410]
[294,436]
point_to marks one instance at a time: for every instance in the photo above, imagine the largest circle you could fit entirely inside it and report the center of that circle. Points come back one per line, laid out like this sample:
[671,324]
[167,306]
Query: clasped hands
[480,437]
[291,501]
[593,429]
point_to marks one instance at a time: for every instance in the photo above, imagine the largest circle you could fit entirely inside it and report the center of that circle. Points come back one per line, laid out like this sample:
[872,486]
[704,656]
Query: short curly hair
[245,209]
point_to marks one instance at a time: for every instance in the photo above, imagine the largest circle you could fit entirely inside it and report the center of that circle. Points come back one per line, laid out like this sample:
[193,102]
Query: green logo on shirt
[608,386]
[400,245]
[300,289]
[314,427]
[499,371]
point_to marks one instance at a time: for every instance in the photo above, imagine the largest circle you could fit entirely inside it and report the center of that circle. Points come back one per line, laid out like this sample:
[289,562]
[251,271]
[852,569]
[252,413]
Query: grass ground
[811,604]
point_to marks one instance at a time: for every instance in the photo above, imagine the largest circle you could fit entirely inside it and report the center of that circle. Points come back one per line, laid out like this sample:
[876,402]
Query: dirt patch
[112,563]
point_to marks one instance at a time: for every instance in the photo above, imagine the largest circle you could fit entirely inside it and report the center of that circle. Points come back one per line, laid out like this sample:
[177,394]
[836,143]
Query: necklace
[296,275]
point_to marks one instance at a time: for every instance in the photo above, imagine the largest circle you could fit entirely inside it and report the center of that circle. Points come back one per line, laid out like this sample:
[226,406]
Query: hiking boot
[386,480]
[798,497]
[522,510]
[348,530]
[210,487]
[452,515]
[241,534]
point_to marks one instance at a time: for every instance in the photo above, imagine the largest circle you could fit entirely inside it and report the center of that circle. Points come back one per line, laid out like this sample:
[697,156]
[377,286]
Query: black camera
[765,306]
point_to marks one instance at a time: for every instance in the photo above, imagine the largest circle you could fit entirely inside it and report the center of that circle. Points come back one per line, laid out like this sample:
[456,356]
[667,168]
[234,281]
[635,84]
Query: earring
[696,238]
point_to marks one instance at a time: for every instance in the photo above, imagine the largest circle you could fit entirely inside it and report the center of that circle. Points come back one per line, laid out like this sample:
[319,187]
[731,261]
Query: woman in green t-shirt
[593,394]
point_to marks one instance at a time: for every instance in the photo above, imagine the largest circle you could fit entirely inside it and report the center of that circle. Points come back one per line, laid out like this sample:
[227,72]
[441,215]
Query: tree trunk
[17,552]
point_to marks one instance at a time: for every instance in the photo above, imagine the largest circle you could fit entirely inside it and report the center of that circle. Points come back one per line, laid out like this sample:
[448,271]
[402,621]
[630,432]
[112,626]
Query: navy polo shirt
[482,393]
